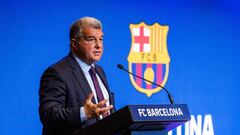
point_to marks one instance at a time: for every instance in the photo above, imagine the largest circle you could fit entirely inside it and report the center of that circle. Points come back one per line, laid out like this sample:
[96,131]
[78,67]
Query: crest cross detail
[141,39]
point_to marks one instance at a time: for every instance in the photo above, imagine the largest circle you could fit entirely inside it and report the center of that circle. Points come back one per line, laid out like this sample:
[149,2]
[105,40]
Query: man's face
[90,46]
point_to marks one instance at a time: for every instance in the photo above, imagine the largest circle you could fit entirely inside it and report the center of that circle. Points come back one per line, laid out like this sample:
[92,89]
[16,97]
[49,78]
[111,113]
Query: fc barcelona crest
[148,56]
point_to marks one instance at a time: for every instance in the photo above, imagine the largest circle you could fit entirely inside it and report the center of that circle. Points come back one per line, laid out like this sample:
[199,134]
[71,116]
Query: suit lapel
[80,77]
[102,76]
[104,80]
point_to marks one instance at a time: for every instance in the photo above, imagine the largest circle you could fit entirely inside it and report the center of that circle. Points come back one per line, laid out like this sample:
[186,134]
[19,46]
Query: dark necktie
[99,93]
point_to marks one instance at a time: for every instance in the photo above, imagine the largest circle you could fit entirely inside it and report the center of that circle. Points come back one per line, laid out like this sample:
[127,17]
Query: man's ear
[73,43]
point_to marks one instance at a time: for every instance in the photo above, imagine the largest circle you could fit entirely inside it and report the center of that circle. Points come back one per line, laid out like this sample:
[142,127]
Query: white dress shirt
[85,67]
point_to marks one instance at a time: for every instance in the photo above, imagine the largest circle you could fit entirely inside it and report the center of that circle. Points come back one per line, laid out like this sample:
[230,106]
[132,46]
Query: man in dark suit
[74,92]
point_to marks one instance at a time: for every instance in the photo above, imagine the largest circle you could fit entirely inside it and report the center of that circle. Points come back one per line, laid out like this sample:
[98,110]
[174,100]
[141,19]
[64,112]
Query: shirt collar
[85,67]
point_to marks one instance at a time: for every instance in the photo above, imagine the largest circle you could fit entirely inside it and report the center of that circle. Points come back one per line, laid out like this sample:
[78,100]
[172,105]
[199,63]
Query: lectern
[140,118]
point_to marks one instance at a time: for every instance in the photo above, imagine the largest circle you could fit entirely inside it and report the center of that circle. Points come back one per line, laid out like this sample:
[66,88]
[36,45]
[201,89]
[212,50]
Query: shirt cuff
[83,116]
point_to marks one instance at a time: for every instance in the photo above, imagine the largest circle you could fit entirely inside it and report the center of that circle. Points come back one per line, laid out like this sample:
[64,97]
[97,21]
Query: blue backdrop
[203,44]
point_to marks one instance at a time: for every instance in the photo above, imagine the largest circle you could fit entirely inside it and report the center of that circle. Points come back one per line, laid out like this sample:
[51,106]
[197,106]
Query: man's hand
[94,110]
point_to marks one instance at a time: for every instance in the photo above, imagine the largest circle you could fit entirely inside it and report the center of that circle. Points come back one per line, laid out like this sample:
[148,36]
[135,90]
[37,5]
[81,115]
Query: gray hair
[84,22]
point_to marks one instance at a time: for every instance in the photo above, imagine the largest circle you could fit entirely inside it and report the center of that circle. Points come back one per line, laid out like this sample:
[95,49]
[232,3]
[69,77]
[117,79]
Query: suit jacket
[63,90]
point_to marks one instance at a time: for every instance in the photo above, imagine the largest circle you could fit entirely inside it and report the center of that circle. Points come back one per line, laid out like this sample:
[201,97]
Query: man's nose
[98,43]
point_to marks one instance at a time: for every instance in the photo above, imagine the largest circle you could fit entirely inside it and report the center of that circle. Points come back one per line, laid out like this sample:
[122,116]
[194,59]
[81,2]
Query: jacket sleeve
[52,96]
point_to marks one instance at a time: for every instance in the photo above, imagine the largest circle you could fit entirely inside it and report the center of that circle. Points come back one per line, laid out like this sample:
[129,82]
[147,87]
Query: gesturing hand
[94,110]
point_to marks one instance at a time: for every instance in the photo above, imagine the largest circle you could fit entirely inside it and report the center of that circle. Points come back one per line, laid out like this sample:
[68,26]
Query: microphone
[120,66]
